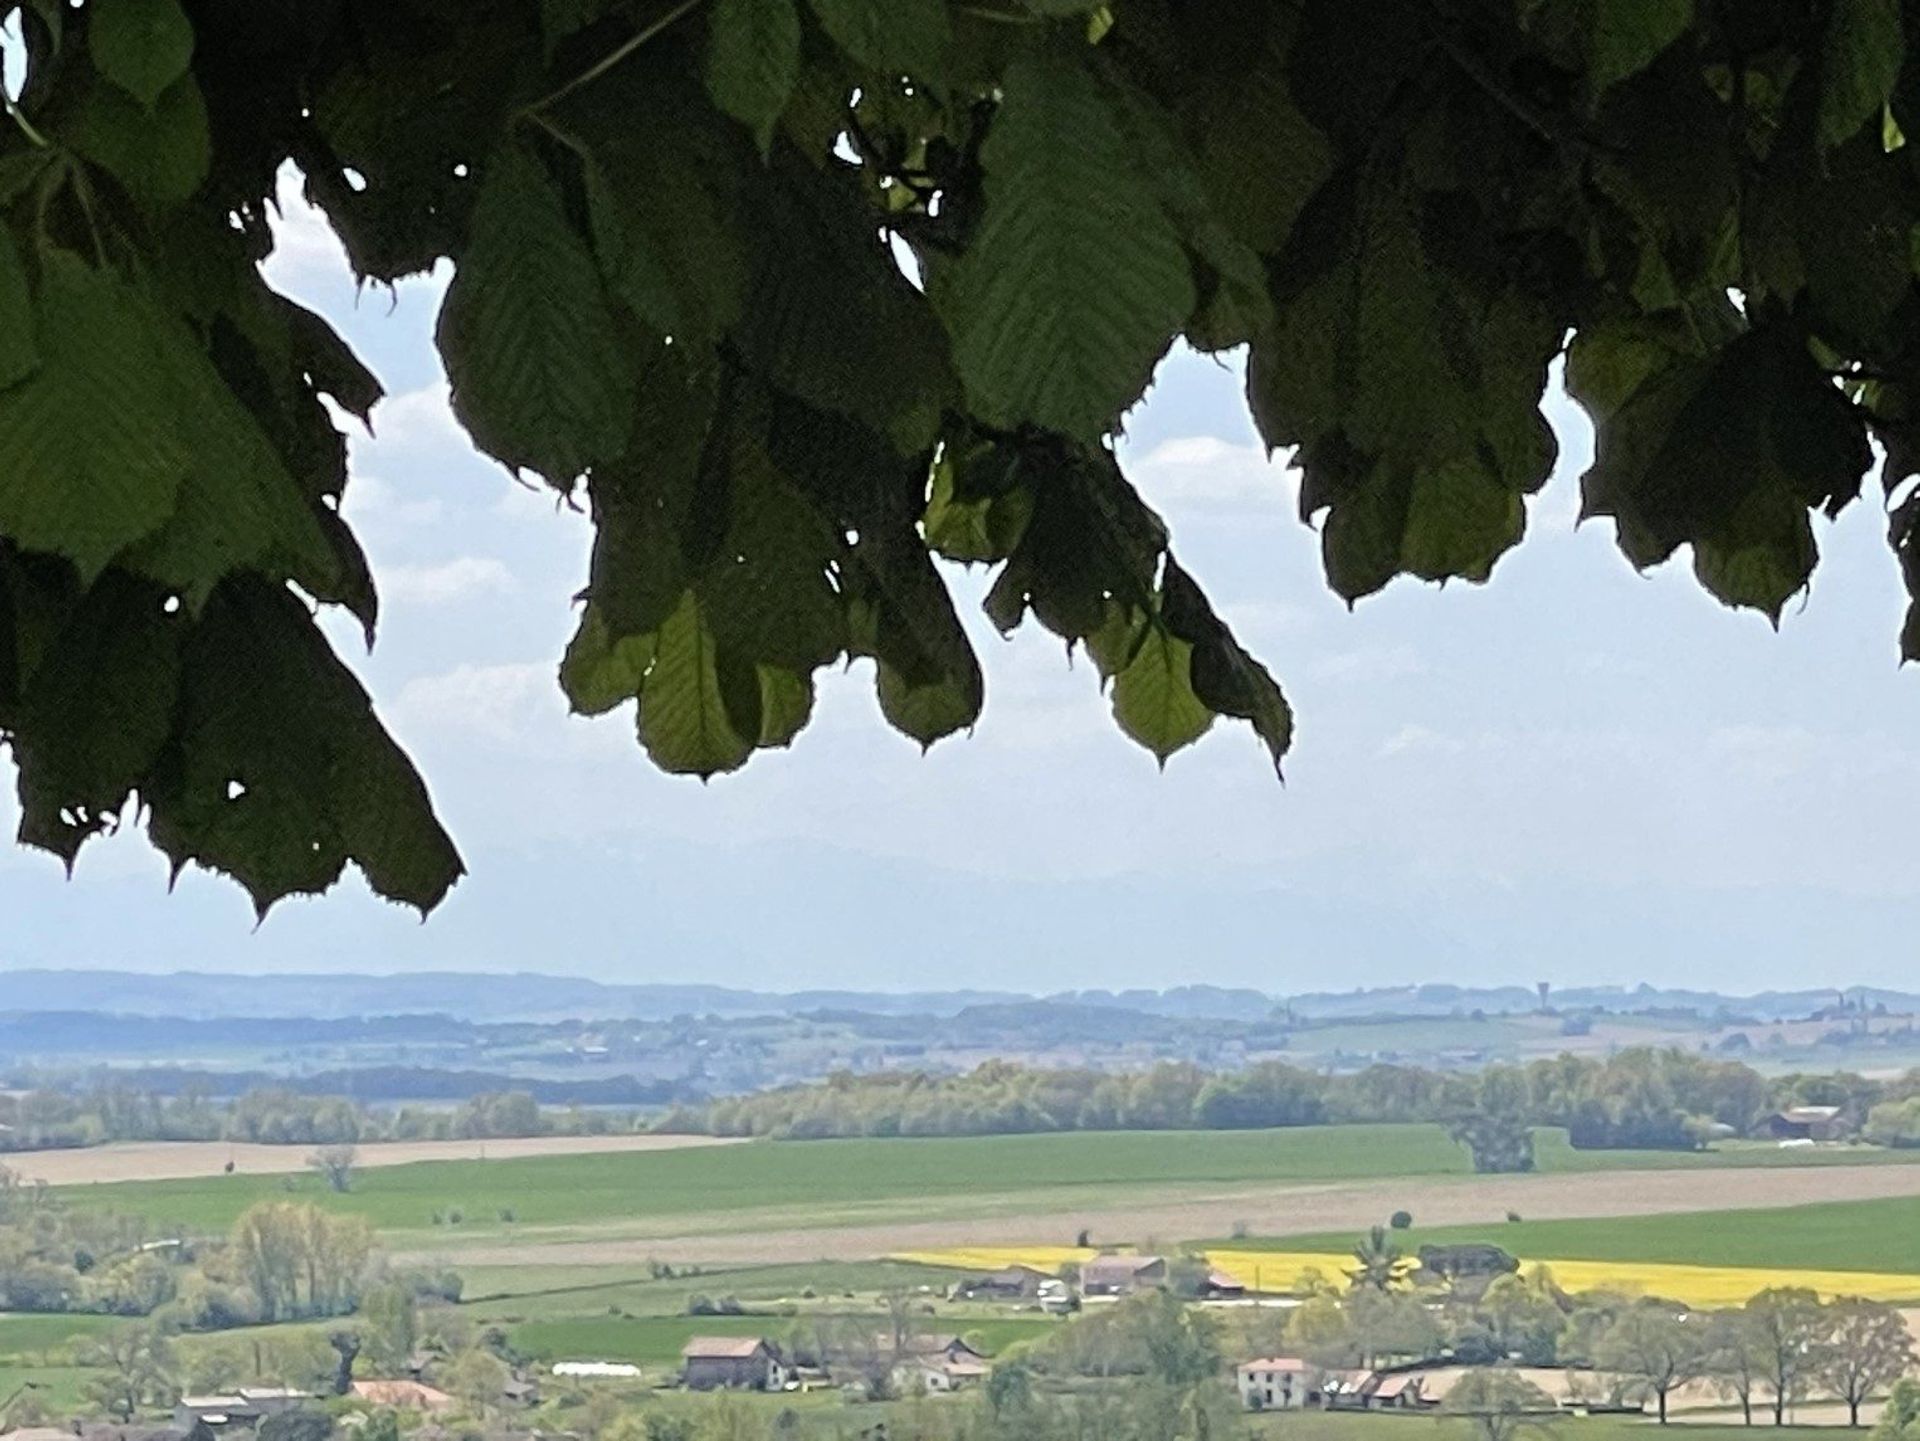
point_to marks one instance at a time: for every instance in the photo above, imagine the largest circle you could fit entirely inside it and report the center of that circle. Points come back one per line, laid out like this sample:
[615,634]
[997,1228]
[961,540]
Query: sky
[1575,773]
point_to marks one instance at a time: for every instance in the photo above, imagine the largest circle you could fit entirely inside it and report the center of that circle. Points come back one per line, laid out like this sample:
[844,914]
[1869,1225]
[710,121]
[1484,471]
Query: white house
[1274,1383]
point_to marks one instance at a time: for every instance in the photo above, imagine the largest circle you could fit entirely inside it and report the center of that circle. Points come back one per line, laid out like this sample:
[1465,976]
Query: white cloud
[1204,472]
[419,419]
[372,500]
[304,246]
[462,578]
[503,703]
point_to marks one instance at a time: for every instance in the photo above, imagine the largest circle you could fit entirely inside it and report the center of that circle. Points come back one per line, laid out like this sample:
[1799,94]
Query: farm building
[1010,1283]
[934,1346]
[1275,1383]
[940,1374]
[403,1395]
[1122,1275]
[1221,1286]
[1806,1123]
[242,1408]
[748,1363]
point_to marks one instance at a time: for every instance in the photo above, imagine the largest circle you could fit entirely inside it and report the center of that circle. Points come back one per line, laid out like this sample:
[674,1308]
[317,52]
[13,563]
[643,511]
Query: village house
[1275,1383]
[934,1346]
[937,1375]
[747,1363]
[1122,1275]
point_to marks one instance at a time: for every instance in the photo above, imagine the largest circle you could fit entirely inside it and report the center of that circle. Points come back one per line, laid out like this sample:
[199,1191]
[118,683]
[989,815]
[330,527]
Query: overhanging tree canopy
[674,299]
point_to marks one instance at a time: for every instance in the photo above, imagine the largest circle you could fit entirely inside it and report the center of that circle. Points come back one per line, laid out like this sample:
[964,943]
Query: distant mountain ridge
[531,996]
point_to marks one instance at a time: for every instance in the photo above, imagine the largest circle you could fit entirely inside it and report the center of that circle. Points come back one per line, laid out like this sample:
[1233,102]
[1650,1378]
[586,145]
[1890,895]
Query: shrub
[699,1305]
[1401,1220]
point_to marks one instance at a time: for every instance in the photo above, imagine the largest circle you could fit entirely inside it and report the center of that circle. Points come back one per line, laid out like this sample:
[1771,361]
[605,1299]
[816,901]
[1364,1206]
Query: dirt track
[747,1236]
[177,1160]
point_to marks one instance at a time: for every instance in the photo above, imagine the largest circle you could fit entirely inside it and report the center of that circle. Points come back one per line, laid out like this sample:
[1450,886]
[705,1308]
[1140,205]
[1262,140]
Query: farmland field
[1874,1235]
[836,1182]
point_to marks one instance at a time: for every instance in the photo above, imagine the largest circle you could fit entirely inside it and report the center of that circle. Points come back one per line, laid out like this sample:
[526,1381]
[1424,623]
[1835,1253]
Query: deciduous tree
[672,228]
[1867,1348]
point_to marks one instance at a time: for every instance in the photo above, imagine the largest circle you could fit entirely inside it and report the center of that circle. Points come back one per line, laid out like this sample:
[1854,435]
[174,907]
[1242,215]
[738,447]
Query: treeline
[46,1119]
[283,1260]
[1636,1098]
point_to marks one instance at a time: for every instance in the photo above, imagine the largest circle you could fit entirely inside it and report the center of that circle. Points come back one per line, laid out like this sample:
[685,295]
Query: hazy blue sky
[1572,774]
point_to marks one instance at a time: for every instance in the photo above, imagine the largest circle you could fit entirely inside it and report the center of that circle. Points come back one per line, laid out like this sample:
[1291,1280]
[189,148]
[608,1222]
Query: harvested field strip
[1282,1270]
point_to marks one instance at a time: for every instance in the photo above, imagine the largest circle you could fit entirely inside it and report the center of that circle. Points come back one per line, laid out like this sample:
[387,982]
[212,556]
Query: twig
[613,57]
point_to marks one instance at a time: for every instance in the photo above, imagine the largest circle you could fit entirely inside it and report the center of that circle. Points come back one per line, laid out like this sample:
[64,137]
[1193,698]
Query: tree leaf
[280,773]
[1077,280]
[1153,698]
[540,379]
[96,713]
[1626,36]
[684,722]
[1727,453]
[895,37]
[1860,59]
[753,60]
[160,155]
[18,353]
[786,705]
[142,46]
[601,669]
[1225,678]
[91,456]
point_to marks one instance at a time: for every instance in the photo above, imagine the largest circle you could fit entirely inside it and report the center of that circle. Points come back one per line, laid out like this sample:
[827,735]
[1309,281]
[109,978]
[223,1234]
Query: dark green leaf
[142,46]
[540,379]
[753,59]
[281,773]
[97,711]
[91,455]
[18,353]
[160,155]
[1860,60]
[894,37]
[1076,281]
[1626,36]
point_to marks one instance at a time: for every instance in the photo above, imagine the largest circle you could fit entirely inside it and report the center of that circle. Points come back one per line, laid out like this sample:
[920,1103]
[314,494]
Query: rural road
[742,1236]
[182,1160]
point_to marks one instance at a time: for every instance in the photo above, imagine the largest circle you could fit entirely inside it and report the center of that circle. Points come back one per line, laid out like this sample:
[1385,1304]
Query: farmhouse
[1122,1275]
[940,1374]
[750,1363]
[403,1395]
[1010,1283]
[1806,1123]
[1275,1383]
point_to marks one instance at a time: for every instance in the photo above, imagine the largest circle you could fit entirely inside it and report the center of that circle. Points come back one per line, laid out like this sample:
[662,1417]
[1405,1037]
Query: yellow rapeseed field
[1283,1271]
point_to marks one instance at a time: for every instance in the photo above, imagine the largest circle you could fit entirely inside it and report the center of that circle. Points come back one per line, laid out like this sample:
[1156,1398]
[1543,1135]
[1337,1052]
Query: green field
[25,1337]
[1384,1426]
[829,1180]
[1880,1235]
